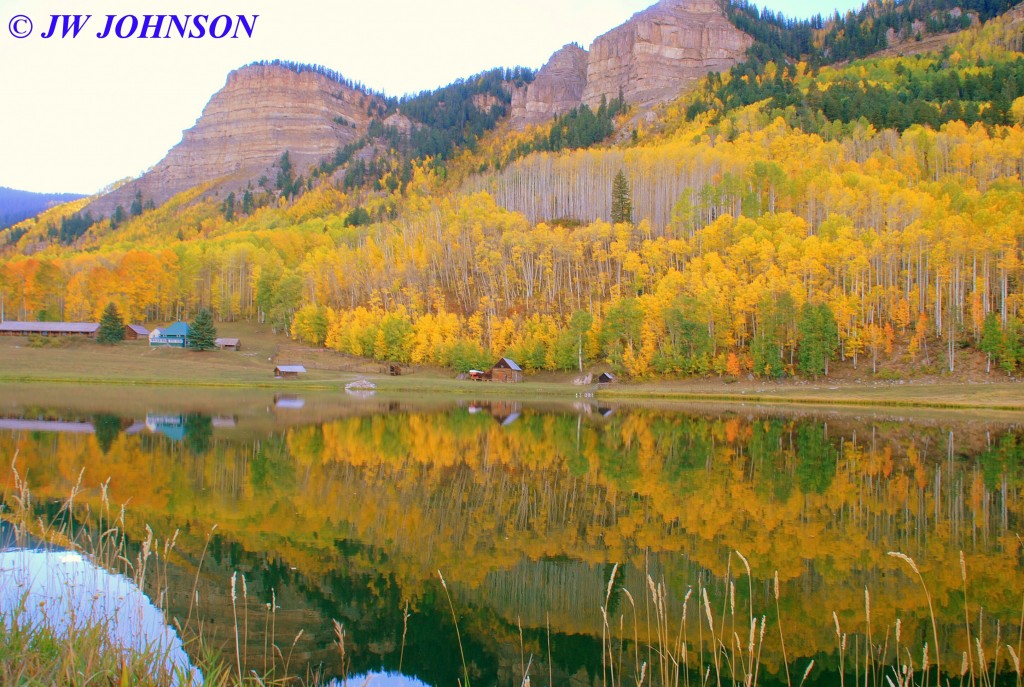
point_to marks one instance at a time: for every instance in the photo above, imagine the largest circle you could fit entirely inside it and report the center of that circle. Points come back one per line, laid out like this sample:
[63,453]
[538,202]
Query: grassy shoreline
[82,362]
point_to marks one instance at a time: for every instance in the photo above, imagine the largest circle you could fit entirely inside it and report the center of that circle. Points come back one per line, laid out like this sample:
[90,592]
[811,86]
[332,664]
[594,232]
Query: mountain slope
[263,111]
[783,219]
[18,205]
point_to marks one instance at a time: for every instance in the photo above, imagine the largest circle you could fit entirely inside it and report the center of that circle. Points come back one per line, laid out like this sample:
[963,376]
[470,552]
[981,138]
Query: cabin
[174,336]
[505,412]
[171,426]
[228,344]
[134,332]
[506,370]
[606,378]
[15,328]
[289,402]
[288,371]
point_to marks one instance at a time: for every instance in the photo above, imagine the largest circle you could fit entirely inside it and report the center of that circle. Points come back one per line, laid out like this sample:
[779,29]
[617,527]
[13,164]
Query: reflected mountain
[349,517]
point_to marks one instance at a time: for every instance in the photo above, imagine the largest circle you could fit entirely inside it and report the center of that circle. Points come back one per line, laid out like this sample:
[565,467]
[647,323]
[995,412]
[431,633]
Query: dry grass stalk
[458,635]
[931,611]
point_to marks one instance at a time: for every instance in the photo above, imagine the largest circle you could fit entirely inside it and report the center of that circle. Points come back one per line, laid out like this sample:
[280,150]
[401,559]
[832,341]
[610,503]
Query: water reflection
[379,679]
[62,590]
[346,512]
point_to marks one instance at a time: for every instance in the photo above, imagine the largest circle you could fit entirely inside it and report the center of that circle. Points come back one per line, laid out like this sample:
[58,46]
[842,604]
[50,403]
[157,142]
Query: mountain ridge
[17,205]
[262,111]
[267,109]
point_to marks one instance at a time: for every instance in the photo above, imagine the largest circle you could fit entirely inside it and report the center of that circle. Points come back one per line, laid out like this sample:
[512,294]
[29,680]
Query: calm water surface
[345,508]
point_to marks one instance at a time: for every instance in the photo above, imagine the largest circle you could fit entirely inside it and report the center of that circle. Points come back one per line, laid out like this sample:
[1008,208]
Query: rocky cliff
[557,88]
[262,111]
[653,57]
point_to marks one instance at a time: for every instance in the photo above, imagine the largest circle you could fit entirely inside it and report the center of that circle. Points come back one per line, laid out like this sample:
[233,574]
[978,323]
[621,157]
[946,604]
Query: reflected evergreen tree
[107,428]
[198,433]
[817,456]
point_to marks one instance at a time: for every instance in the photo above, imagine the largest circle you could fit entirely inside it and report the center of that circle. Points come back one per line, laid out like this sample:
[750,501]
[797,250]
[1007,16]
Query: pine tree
[201,333]
[817,334]
[622,200]
[111,326]
[991,338]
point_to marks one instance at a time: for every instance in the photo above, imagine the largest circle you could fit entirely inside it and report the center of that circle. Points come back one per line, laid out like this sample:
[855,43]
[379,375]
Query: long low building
[15,328]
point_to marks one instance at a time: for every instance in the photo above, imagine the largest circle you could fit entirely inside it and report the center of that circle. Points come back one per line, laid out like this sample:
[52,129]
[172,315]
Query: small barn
[175,336]
[505,412]
[133,332]
[14,328]
[289,371]
[287,402]
[228,344]
[506,370]
[606,378]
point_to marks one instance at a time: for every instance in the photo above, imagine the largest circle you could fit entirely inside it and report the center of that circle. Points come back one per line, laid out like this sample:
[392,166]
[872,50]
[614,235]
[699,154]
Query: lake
[580,542]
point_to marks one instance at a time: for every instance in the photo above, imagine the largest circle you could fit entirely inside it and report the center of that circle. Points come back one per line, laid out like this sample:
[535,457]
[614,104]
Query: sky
[77,114]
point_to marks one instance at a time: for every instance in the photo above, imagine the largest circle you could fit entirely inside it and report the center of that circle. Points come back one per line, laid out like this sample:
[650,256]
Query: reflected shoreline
[343,509]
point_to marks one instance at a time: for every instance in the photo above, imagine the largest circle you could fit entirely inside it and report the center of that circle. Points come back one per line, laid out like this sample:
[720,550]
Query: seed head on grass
[807,672]
[931,610]
[707,610]
[611,584]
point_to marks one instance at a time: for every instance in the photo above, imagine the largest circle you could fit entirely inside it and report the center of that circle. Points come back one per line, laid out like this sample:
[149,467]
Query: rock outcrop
[653,57]
[557,88]
[658,53]
[262,111]
[265,110]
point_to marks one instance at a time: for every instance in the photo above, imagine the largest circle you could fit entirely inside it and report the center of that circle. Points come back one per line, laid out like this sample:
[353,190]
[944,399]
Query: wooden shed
[606,378]
[228,344]
[133,332]
[289,371]
[506,370]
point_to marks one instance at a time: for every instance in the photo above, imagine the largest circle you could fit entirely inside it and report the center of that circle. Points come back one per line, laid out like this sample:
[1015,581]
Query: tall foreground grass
[725,646]
[699,646]
[80,637]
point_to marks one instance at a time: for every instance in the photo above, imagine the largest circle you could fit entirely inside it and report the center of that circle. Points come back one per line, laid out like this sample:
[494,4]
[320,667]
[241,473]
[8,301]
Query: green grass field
[82,361]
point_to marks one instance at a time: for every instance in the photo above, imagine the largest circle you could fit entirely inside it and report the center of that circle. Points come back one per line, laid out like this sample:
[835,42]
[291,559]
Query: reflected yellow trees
[820,502]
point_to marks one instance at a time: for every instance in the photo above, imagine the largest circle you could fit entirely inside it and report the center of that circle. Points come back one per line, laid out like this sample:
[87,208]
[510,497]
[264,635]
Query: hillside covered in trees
[784,216]
[16,206]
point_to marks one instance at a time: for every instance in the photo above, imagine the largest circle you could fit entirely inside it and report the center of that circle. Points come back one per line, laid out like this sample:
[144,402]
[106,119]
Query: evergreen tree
[622,200]
[111,326]
[818,336]
[228,208]
[201,332]
[991,338]
[136,208]
[117,218]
